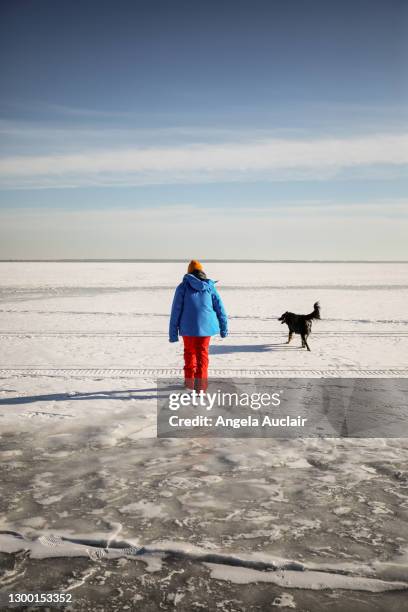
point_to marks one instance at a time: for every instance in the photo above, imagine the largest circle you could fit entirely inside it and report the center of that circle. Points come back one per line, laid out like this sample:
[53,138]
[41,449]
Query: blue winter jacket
[197,310]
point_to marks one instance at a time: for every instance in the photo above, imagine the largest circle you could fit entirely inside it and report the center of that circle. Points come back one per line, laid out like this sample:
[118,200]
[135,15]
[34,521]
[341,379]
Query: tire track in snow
[391,372]
[159,334]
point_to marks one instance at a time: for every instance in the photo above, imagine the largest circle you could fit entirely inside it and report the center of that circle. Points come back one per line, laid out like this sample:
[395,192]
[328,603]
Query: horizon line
[162,260]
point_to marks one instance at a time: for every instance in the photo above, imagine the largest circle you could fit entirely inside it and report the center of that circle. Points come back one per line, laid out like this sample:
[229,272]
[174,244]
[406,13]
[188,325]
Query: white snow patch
[145,508]
[286,600]
[312,580]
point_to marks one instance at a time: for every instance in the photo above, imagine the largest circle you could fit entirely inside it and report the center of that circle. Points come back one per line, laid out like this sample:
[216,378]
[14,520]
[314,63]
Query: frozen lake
[210,524]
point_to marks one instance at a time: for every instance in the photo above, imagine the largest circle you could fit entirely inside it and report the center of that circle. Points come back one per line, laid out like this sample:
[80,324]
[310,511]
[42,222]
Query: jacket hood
[197,284]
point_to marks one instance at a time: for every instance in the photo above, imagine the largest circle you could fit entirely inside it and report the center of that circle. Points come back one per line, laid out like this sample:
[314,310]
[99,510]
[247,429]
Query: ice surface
[80,458]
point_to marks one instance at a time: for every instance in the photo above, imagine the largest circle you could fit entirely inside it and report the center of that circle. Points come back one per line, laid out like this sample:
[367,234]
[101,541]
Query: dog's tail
[316,312]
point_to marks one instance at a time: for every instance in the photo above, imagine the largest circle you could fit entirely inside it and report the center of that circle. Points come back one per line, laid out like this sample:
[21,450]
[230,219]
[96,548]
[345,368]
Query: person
[197,314]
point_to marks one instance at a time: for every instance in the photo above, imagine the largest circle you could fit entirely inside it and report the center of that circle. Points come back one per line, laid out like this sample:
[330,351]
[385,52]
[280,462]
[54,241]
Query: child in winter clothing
[197,314]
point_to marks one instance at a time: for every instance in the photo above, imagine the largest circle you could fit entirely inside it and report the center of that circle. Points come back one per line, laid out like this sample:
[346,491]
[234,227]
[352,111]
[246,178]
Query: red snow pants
[196,361]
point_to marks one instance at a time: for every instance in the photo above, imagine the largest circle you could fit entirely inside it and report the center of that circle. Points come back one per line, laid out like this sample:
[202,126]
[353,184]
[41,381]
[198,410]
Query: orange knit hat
[194,265]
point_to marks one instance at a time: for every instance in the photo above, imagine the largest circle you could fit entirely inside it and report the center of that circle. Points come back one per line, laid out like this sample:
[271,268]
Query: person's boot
[201,384]
[189,383]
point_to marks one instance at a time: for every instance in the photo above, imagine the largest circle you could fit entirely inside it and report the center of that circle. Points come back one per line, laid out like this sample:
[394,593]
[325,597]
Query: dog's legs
[304,342]
[290,337]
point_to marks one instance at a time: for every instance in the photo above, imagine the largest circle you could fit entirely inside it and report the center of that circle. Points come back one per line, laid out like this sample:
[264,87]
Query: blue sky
[257,129]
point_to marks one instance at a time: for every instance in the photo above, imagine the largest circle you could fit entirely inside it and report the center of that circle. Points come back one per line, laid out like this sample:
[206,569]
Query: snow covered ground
[207,524]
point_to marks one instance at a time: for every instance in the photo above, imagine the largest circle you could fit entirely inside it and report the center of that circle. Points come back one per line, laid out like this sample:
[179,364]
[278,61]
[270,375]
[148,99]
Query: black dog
[300,324]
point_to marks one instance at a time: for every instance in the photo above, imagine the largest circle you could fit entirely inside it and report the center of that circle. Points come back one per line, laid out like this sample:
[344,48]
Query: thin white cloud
[274,159]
